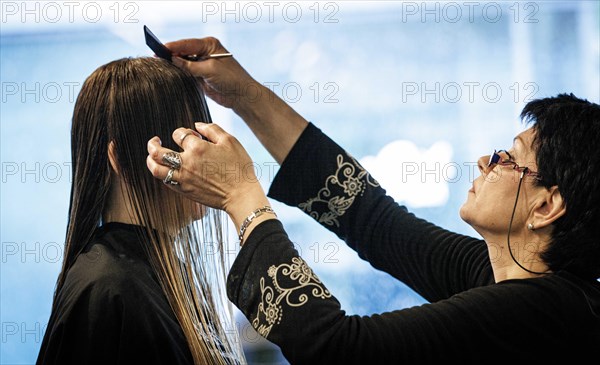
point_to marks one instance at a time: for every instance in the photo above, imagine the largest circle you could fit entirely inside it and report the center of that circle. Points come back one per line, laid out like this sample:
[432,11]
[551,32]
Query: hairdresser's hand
[217,173]
[223,79]
[272,120]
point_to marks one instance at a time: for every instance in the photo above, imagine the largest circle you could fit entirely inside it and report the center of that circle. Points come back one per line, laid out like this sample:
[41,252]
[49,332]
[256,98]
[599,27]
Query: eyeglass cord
[510,228]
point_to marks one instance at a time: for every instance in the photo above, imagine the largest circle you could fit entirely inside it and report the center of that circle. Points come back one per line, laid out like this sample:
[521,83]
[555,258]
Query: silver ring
[183,137]
[169,178]
[172,159]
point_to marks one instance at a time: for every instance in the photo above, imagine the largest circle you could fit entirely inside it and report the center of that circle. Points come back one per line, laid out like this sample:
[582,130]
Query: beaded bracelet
[257,213]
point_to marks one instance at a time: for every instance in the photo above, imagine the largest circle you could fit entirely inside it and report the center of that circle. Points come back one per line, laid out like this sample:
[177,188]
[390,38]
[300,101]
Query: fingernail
[198,124]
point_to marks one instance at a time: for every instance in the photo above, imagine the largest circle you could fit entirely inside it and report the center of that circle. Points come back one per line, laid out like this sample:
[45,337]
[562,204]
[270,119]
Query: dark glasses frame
[496,159]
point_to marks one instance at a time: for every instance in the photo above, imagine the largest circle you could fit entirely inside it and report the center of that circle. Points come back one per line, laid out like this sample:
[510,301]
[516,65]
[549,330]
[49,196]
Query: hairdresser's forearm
[243,202]
[276,125]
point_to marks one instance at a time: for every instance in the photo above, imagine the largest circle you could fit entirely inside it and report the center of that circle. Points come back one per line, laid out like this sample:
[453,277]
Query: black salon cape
[554,319]
[112,310]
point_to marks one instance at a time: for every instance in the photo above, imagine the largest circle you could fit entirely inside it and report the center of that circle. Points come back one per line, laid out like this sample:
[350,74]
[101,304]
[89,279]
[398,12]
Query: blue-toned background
[416,91]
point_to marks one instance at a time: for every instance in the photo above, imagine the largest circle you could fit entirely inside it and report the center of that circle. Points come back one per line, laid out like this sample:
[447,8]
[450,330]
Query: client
[142,277]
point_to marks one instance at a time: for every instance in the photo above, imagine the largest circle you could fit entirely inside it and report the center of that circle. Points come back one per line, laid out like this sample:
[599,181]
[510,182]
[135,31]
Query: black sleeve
[286,302]
[119,318]
[328,184]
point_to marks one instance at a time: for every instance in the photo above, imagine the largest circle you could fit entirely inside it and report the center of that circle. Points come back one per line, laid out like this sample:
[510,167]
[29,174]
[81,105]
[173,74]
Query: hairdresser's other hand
[272,120]
[217,173]
[223,79]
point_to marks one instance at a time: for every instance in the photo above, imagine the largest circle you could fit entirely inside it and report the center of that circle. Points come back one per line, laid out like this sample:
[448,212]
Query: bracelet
[257,213]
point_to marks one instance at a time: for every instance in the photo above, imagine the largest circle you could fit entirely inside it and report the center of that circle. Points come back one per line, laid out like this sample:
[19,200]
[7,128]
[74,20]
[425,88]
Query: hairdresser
[540,196]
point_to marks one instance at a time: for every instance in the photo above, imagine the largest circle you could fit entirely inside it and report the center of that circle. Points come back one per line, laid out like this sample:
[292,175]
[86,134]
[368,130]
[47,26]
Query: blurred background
[416,91]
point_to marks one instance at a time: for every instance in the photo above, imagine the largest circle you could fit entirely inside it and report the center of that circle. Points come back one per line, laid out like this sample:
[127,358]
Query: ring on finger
[183,137]
[169,178]
[172,159]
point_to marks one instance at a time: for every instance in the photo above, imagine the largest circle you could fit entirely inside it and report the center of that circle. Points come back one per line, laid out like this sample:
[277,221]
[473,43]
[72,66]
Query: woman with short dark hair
[528,292]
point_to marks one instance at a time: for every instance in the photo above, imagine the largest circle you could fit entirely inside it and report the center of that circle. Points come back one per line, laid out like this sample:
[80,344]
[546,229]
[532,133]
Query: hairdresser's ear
[551,207]
[112,157]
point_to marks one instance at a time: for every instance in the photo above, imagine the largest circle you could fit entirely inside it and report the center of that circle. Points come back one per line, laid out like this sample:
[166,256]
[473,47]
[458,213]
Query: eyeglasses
[497,159]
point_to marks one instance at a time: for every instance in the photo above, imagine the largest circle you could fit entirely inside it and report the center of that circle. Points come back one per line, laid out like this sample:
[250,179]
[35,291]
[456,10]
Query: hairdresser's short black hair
[567,136]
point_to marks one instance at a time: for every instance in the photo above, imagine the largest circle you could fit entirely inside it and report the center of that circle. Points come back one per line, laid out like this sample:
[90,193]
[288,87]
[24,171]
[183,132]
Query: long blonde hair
[127,102]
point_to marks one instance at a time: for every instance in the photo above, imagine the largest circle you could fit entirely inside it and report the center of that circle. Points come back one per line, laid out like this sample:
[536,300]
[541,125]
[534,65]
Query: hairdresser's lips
[472,190]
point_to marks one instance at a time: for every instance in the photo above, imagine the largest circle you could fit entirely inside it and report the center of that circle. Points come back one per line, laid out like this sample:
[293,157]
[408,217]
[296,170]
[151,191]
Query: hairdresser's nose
[483,163]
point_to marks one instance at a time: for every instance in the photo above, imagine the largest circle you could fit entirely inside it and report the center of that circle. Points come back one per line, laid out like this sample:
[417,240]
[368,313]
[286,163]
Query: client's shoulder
[100,271]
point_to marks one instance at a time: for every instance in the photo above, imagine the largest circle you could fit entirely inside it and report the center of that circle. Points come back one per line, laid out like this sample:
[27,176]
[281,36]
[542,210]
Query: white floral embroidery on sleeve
[287,281]
[349,180]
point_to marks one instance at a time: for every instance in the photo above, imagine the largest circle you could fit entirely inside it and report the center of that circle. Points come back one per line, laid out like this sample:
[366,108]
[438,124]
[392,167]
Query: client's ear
[112,157]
